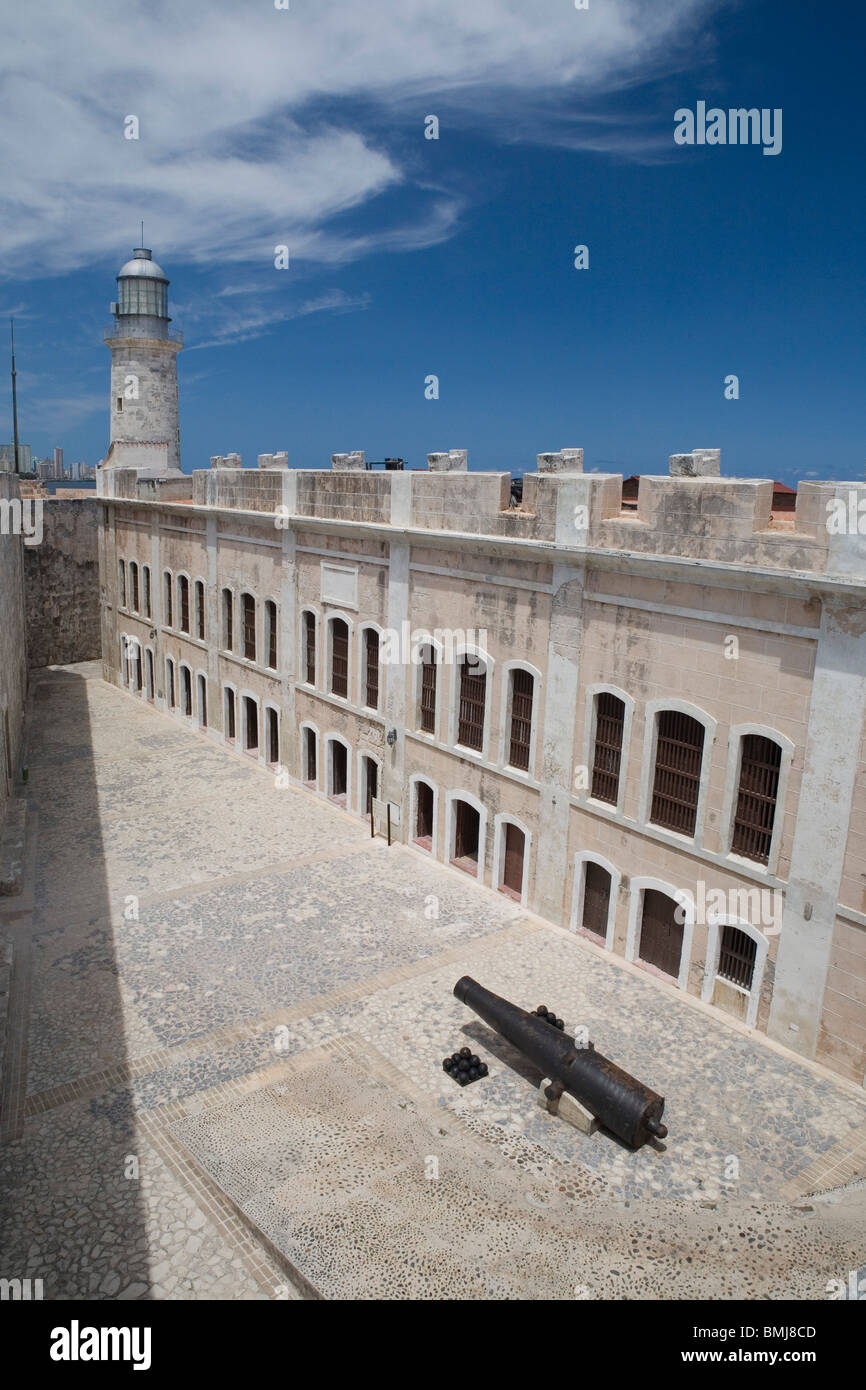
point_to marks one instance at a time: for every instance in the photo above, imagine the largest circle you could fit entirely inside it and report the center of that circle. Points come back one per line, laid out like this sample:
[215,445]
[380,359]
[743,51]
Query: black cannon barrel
[622,1104]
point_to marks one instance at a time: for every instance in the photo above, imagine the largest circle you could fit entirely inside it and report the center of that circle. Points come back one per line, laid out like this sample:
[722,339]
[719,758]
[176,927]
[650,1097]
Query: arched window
[201,681]
[427,689]
[133,582]
[200,618]
[148,610]
[339,657]
[168,614]
[309,647]
[229,714]
[677,780]
[271,633]
[183,602]
[423,828]
[249,618]
[228,624]
[170,693]
[607,747]
[121,583]
[186,691]
[371,668]
[755,812]
[472,687]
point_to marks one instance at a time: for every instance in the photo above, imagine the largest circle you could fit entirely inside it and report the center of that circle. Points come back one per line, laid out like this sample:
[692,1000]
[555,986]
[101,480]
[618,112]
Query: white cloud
[250,132]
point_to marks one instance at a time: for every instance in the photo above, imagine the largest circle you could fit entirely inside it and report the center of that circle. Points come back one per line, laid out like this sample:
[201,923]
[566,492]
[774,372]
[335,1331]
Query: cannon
[622,1104]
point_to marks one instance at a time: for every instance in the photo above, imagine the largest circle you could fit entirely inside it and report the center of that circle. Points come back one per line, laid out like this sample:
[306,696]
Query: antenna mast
[14,395]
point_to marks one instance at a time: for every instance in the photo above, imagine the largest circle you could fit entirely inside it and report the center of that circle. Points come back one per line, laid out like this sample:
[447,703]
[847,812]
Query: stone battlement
[691,512]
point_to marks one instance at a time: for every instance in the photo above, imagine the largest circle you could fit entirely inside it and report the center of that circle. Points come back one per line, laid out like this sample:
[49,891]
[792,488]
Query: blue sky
[452,257]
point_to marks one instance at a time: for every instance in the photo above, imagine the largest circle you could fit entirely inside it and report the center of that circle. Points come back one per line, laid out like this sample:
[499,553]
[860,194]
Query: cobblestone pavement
[200,963]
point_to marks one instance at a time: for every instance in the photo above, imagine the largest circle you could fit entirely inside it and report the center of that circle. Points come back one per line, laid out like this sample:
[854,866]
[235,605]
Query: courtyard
[226,1016]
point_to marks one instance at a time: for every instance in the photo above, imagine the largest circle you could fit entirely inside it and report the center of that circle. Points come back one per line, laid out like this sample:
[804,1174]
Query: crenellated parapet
[691,512]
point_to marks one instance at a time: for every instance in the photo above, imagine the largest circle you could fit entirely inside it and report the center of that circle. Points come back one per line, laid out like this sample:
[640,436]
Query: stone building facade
[647,724]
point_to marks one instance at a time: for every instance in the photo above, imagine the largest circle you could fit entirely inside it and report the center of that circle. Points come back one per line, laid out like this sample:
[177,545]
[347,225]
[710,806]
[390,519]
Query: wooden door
[661,937]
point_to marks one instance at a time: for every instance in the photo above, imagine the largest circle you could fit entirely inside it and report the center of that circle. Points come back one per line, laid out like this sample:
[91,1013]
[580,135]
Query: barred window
[607,755]
[371,668]
[339,658]
[147,603]
[133,581]
[310,647]
[522,688]
[677,785]
[121,583]
[428,691]
[166,587]
[228,621]
[473,687]
[737,957]
[183,602]
[249,608]
[199,610]
[271,633]
[756,800]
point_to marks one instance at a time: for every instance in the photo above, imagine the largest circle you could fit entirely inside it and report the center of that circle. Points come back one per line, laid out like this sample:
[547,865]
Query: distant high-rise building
[45,469]
[7,458]
[58,463]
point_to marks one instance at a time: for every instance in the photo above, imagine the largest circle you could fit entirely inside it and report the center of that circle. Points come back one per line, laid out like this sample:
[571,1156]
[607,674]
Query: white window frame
[265,742]
[590,725]
[715,924]
[579,863]
[638,886]
[181,667]
[460,652]
[451,798]
[308,724]
[413,813]
[732,786]
[330,619]
[245,695]
[183,574]
[652,710]
[330,740]
[302,647]
[230,686]
[505,731]
[362,669]
[500,822]
[417,667]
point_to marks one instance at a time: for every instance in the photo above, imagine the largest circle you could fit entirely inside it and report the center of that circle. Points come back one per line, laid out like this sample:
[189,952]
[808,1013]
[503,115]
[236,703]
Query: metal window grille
[596,899]
[121,582]
[522,686]
[271,618]
[737,957]
[168,603]
[133,575]
[339,658]
[228,620]
[607,756]
[677,785]
[310,646]
[756,801]
[371,640]
[147,608]
[473,684]
[183,586]
[249,627]
[428,694]
[199,610]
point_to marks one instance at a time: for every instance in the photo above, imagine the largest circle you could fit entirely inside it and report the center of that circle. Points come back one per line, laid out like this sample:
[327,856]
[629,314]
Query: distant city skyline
[716,303]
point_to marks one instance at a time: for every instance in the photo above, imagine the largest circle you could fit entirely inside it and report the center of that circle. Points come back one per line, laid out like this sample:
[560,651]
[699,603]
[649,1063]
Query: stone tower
[144,419]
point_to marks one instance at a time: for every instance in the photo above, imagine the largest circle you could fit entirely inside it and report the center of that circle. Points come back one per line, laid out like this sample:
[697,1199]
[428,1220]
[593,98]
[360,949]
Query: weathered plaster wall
[61,579]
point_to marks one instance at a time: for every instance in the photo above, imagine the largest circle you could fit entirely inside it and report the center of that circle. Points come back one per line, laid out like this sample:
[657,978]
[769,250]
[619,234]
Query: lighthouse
[144,418]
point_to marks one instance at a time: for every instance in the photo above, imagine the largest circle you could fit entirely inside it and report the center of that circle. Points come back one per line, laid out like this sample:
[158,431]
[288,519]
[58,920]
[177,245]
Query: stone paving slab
[372,1199]
[262,909]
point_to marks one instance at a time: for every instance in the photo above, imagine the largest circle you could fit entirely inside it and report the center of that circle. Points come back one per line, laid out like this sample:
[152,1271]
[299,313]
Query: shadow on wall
[61,581]
[70,1210]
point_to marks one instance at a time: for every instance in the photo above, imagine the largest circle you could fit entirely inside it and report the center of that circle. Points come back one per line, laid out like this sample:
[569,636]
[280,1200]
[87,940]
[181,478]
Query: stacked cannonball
[543,1012]
[464,1066]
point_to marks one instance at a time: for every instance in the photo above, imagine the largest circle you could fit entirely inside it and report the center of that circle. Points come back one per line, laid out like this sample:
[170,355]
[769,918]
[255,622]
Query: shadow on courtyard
[71,1213]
